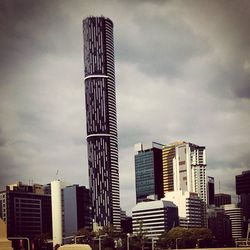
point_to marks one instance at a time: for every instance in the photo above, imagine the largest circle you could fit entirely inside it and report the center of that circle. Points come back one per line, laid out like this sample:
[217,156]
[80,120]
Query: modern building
[25,212]
[77,209]
[57,187]
[222,199]
[220,224]
[190,208]
[236,217]
[100,97]
[210,190]
[243,190]
[153,218]
[184,168]
[148,171]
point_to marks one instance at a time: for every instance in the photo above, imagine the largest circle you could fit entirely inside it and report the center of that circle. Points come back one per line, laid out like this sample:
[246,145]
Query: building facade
[236,216]
[222,199]
[190,208]
[153,218]
[243,190]
[148,171]
[100,97]
[57,211]
[210,190]
[77,209]
[25,212]
[220,224]
[168,156]
[184,168]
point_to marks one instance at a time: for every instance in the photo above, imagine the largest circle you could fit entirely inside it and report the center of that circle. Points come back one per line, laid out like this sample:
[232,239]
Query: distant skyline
[182,73]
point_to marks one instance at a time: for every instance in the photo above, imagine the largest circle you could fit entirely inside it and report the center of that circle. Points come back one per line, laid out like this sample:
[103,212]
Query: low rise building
[152,218]
[190,207]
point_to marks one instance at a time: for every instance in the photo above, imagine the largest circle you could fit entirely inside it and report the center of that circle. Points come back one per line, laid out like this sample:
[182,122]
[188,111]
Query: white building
[152,218]
[57,211]
[236,217]
[189,169]
[189,207]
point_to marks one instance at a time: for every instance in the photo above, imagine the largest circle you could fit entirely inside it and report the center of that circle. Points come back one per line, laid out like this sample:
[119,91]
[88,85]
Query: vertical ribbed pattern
[101,120]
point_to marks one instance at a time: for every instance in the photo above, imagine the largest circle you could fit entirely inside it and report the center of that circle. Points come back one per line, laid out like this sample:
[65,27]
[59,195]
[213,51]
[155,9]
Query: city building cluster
[172,186]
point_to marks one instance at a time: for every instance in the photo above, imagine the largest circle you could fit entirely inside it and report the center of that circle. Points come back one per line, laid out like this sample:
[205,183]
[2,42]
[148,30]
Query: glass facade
[148,174]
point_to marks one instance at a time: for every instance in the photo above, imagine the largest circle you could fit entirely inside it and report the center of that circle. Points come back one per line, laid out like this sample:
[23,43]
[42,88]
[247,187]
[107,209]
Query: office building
[25,212]
[184,168]
[153,218]
[148,172]
[77,209]
[243,190]
[220,224]
[236,217]
[102,143]
[210,190]
[190,208]
[222,199]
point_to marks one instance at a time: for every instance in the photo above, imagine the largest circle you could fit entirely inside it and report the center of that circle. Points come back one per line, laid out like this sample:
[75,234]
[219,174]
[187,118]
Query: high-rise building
[148,171]
[101,120]
[243,190]
[210,190]
[184,168]
[154,217]
[77,210]
[57,211]
[222,199]
[25,212]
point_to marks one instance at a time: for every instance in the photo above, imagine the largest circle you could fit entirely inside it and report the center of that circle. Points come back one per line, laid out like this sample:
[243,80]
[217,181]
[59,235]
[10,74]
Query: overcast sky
[182,73]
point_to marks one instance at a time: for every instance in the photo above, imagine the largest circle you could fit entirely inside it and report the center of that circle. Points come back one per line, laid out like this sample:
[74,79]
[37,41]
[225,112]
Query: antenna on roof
[57,172]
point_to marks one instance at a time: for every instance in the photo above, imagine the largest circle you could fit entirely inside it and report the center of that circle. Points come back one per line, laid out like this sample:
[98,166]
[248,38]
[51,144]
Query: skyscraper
[148,171]
[184,168]
[101,120]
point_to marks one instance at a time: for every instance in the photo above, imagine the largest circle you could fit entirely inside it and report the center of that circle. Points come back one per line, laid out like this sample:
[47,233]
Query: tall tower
[101,120]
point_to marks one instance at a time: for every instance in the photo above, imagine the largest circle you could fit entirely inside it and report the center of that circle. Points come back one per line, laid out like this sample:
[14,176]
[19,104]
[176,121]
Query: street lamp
[153,243]
[198,243]
[176,242]
[79,236]
[100,240]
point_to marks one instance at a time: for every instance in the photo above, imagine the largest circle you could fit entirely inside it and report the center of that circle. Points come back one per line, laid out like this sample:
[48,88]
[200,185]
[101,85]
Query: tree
[186,238]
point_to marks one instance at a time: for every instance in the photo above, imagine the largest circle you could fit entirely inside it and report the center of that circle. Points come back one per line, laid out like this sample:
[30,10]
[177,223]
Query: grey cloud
[2,138]
[159,47]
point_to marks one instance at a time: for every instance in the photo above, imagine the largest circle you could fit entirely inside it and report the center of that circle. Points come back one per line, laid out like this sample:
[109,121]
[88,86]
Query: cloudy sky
[182,73]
